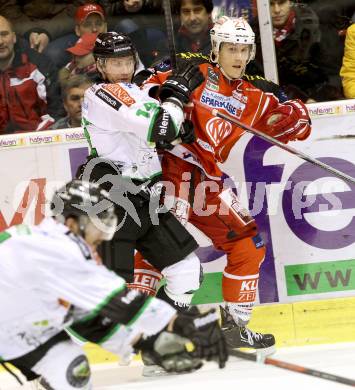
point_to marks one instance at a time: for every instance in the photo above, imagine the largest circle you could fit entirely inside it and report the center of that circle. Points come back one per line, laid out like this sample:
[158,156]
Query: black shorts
[160,237]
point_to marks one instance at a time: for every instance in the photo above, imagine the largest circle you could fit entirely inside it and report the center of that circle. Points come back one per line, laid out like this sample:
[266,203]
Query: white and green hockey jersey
[117,120]
[43,266]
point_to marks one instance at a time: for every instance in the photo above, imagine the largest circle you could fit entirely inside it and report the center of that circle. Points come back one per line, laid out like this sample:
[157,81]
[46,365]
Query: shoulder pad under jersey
[266,86]
[182,59]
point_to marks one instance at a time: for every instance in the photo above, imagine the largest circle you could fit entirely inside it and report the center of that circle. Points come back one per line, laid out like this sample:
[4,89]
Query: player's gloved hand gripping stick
[274,141]
[290,149]
[168,348]
[169,126]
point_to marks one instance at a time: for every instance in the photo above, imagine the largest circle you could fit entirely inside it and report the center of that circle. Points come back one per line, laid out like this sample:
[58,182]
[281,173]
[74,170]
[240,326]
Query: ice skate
[150,369]
[241,337]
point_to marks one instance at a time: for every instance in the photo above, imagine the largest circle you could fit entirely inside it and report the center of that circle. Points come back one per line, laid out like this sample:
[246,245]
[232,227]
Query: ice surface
[239,374]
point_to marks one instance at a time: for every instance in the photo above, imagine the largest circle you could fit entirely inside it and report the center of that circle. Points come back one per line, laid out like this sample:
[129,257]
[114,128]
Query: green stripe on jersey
[152,123]
[98,308]
[23,230]
[140,311]
[84,124]
[4,236]
[109,334]
[76,335]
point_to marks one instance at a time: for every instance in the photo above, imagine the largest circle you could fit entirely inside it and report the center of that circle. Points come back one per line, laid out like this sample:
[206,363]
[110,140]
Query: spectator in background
[195,22]
[89,18]
[124,7]
[332,22]
[28,85]
[297,40]
[347,71]
[83,61]
[73,95]
[297,44]
[143,22]
[38,21]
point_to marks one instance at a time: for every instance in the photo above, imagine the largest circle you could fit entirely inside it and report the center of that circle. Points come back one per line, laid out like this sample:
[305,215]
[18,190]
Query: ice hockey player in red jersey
[194,166]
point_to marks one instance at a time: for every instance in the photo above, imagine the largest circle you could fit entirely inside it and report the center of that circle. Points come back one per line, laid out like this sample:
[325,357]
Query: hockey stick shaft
[292,367]
[287,148]
[170,32]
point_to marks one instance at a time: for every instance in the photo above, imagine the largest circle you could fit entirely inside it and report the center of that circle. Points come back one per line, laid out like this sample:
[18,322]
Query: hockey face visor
[89,203]
[102,216]
[106,224]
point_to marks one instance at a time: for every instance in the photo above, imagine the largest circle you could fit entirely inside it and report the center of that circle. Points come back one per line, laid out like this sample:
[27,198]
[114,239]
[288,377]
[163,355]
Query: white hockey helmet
[232,30]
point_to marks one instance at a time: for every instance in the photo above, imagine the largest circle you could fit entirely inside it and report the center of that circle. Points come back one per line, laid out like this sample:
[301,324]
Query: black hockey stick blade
[257,357]
[170,32]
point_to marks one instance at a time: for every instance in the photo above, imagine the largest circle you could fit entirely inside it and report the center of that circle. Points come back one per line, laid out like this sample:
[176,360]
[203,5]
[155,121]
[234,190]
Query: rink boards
[306,218]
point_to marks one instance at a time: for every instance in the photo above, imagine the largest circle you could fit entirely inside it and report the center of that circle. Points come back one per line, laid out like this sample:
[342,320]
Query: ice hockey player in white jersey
[125,127]
[51,282]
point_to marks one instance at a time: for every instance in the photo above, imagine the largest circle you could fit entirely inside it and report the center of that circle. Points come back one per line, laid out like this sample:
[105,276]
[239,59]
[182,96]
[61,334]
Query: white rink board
[46,160]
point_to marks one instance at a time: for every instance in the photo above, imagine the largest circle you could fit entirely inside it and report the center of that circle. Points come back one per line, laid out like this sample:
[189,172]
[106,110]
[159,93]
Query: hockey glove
[168,126]
[168,351]
[289,122]
[181,83]
[205,333]
[187,132]
[185,136]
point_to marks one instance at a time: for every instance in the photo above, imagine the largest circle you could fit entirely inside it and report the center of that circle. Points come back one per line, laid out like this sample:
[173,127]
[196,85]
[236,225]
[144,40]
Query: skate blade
[154,370]
[261,353]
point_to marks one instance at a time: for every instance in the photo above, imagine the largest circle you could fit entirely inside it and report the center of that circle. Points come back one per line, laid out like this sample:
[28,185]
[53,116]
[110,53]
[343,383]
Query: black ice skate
[242,337]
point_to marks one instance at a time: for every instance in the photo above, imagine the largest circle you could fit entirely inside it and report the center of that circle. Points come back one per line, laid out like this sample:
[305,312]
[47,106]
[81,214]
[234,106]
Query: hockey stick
[255,357]
[170,32]
[290,149]
[172,49]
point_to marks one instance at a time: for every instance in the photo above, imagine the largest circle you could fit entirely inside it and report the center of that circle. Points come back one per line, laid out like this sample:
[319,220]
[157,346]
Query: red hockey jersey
[215,137]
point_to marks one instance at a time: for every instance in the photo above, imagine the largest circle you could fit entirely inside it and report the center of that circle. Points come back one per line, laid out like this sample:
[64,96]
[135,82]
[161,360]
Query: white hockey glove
[169,126]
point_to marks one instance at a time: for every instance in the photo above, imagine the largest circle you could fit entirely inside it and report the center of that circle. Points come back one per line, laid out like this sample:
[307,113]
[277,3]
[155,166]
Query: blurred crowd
[46,59]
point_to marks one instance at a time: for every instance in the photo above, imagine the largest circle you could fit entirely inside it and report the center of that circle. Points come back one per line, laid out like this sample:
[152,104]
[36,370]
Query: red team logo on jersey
[218,129]
[120,93]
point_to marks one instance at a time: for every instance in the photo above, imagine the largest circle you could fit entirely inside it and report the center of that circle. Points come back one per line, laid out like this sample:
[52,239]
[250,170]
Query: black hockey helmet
[113,44]
[87,202]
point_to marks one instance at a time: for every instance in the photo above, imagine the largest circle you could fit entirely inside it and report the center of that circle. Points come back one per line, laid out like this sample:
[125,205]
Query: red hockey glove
[294,122]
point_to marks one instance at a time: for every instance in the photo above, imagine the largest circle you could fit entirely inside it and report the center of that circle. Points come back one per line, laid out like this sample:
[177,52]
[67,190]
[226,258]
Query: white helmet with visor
[231,30]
